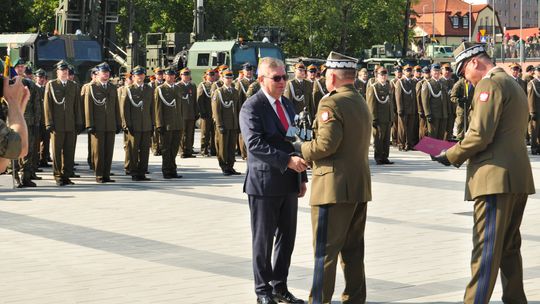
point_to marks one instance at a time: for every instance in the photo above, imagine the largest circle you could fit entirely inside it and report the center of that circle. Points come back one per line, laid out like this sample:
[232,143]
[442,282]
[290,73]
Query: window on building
[466,21]
[455,21]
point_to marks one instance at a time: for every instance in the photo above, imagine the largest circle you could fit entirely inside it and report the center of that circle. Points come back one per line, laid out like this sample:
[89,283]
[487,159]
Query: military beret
[152,78]
[426,69]
[407,67]
[185,71]
[339,61]
[436,67]
[222,67]
[465,51]
[28,70]
[40,72]
[19,62]
[514,65]
[417,68]
[398,68]
[127,75]
[62,65]
[208,71]
[247,66]
[529,68]
[227,74]
[138,70]
[103,67]
[170,71]
[381,69]
[241,72]
[158,70]
[312,68]
[299,65]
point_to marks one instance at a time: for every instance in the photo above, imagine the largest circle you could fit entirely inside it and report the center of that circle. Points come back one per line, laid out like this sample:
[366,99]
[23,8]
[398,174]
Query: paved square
[189,240]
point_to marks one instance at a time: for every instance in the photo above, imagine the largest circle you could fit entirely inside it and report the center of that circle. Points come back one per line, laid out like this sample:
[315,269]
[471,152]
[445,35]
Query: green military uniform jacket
[434,100]
[102,108]
[32,114]
[225,108]
[533,96]
[339,151]
[137,107]
[405,96]
[361,86]
[217,84]
[253,89]
[319,90]
[299,92]
[242,88]
[204,101]
[379,98]
[522,83]
[419,103]
[61,105]
[188,102]
[167,107]
[41,92]
[449,84]
[459,95]
[527,78]
[10,142]
[494,144]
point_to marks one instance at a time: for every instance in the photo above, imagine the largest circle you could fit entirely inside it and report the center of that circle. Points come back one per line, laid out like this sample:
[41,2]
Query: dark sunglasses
[186,73]
[408,70]
[278,78]
[248,69]
[383,73]
[312,71]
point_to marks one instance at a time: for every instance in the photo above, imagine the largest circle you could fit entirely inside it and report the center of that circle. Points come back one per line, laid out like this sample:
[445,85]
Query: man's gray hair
[267,63]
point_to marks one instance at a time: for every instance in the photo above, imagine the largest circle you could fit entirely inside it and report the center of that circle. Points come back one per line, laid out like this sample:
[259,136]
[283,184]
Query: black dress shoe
[169,176]
[75,175]
[287,297]
[35,177]
[234,172]
[100,180]
[135,178]
[143,178]
[387,162]
[26,183]
[67,181]
[108,180]
[265,300]
[60,183]
[227,173]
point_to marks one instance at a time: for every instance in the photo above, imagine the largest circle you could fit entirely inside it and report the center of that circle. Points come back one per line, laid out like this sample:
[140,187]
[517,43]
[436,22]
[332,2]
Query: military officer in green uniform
[499,177]
[422,123]
[13,137]
[137,115]
[204,103]
[312,73]
[63,119]
[461,95]
[102,121]
[93,77]
[533,97]
[319,88]
[253,89]
[380,100]
[242,86]
[405,99]
[156,136]
[169,122]
[341,185]
[299,91]
[44,136]
[451,112]
[225,114]
[398,74]
[529,74]
[515,71]
[218,83]
[188,103]
[361,82]
[435,104]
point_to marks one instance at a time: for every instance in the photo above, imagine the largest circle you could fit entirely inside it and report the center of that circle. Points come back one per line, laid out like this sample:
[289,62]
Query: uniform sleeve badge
[325,116]
[484,96]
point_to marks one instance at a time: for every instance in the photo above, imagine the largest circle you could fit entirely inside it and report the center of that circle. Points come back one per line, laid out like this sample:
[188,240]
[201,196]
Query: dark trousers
[138,149]
[26,164]
[63,154]
[170,143]
[45,148]
[422,127]
[102,151]
[187,137]
[226,147]
[497,245]
[273,225]
[437,128]
[157,142]
[338,230]
[535,136]
[381,141]
[208,140]
[406,131]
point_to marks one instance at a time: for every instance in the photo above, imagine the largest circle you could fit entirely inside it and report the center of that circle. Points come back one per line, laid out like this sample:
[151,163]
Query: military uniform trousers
[208,137]
[496,245]
[187,137]
[37,143]
[90,158]
[406,130]
[63,154]
[273,225]
[394,130]
[44,146]
[138,149]
[157,142]
[170,143]
[452,110]
[535,135]
[242,146]
[226,148]
[102,153]
[26,164]
[381,141]
[460,120]
[422,126]
[436,128]
[338,229]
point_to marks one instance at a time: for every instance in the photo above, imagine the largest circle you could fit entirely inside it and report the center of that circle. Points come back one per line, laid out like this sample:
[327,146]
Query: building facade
[509,12]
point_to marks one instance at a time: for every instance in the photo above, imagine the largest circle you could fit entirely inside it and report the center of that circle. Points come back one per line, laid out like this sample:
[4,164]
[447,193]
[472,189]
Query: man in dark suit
[275,179]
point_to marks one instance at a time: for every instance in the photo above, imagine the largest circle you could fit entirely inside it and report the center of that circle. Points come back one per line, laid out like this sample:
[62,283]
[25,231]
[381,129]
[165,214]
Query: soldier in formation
[299,90]
[380,99]
[533,98]
[319,88]
[189,110]
[461,95]
[434,102]
[361,82]
[156,136]
[242,86]
[405,99]
[204,102]
[448,82]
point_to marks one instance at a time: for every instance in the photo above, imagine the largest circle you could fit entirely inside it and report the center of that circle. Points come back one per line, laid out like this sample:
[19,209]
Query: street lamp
[423,38]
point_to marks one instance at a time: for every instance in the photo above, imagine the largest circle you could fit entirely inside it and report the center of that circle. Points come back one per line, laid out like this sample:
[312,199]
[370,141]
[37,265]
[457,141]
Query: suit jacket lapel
[272,112]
